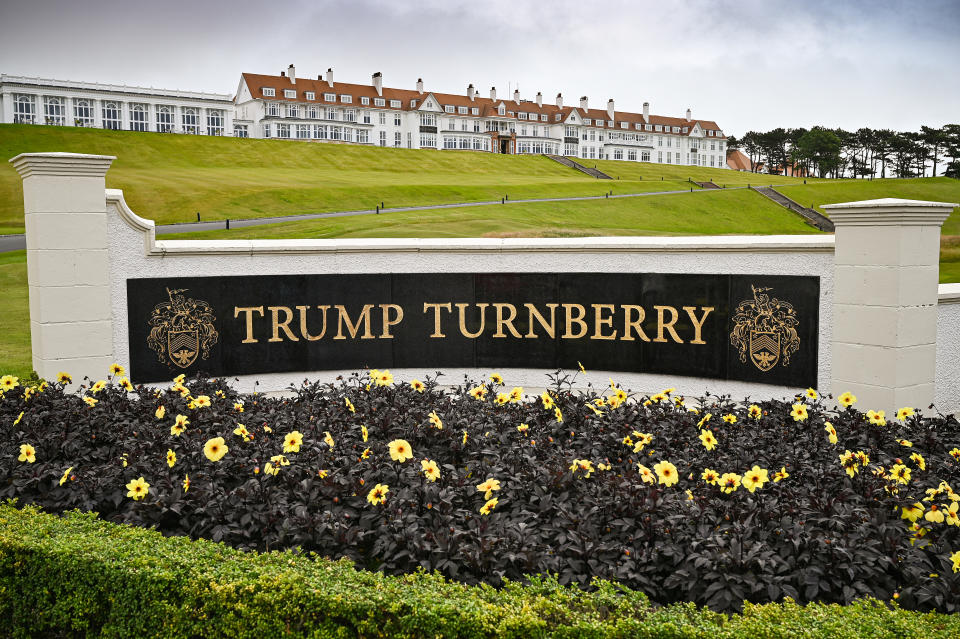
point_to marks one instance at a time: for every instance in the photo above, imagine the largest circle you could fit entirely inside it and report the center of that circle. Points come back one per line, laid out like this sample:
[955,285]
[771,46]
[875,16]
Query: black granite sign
[757,328]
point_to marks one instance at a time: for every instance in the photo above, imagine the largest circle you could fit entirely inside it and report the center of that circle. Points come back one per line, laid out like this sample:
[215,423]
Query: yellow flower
[557,414]
[904,412]
[186,483]
[847,400]
[125,384]
[384,378]
[516,394]
[66,475]
[98,386]
[364,432]
[621,396]
[464,438]
[90,401]
[955,453]
[478,392]
[729,482]
[953,518]
[730,418]
[710,476]
[666,472]
[417,385]
[365,454]
[913,513]
[754,478]
[171,458]
[435,420]
[123,459]
[496,379]
[238,406]
[400,450]
[242,431]
[849,462]
[488,487]
[831,431]
[8,382]
[523,428]
[160,412]
[919,461]
[708,440]
[280,460]
[547,400]
[905,442]
[117,369]
[934,515]
[799,412]
[202,401]
[876,417]
[269,469]
[27,454]
[489,506]
[138,489]
[378,494]
[704,420]
[780,475]
[179,378]
[900,473]
[349,405]
[502,398]
[322,474]
[215,449]
[583,465]
[430,469]
[754,411]
[955,558]
[810,393]
[19,417]
[63,378]
[645,474]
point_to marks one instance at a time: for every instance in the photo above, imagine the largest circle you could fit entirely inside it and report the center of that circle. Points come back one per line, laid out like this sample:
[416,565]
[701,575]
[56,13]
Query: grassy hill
[169,178]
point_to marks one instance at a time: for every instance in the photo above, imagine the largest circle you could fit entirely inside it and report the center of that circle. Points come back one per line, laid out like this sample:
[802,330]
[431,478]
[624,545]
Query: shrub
[577,484]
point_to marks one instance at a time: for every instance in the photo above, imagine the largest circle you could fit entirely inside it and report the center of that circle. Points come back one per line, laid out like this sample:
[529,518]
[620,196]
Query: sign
[755,328]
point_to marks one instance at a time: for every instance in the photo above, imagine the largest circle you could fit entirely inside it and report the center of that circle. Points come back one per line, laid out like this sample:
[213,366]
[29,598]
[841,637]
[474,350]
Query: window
[283,130]
[273,109]
[587,121]
[463,125]
[448,108]
[677,157]
[669,141]
[303,131]
[660,157]
[266,130]
[428,119]
[165,119]
[268,92]
[313,112]
[53,111]
[570,132]
[382,118]
[669,156]
[349,115]
[214,122]
[383,138]
[366,117]
[310,95]
[347,134]
[500,110]
[428,141]
[618,154]
[240,131]
[474,111]
[365,101]
[289,93]
[413,103]
[624,125]
[557,117]
[293,111]
[476,126]
[599,122]
[363,136]
[522,115]
[336,133]
[648,127]
[713,145]
[379,102]
[676,129]
[320,132]
[346,99]
[24,109]
[645,156]
[632,155]
[394,104]
[462,110]
[138,117]
[82,113]
[329,97]
[685,129]
[396,119]
[409,140]
[659,127]
[397,139]
[111,116]
[190,121]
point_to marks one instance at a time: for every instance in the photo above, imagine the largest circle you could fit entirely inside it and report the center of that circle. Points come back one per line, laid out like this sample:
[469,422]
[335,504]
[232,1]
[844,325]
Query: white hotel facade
[288,107]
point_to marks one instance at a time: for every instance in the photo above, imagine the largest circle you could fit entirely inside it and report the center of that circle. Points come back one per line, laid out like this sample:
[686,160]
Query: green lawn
[169,178]
[15,318]
[648,171]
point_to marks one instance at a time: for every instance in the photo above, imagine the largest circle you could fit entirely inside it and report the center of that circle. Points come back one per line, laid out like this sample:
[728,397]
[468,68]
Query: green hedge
[80,576]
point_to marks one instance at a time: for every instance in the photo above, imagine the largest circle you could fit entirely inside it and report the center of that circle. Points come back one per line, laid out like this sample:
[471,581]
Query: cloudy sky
[747,64]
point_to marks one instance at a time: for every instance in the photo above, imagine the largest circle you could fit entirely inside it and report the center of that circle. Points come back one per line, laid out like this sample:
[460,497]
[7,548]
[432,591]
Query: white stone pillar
[65,213]
[885,301]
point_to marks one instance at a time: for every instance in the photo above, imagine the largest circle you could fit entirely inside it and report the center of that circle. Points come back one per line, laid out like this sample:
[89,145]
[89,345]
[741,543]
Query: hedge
[78,576]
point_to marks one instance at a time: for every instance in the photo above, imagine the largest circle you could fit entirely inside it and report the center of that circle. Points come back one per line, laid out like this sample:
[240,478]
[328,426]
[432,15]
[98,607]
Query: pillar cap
[890,211]
[62,164]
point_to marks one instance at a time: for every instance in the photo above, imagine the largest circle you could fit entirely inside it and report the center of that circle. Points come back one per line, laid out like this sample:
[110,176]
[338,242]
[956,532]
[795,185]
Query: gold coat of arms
[182,329]
[765,330]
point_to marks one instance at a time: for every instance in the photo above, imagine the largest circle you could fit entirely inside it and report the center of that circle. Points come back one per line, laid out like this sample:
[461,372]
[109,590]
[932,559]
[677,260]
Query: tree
[935,140]
[751,143]
[821,148]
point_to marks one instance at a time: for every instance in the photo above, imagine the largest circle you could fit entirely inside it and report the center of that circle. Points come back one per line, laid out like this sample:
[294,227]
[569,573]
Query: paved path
[19,243]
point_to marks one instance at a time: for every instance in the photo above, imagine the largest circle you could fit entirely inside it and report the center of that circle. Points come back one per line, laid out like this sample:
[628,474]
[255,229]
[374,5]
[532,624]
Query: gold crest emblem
[182,329]
[765,330]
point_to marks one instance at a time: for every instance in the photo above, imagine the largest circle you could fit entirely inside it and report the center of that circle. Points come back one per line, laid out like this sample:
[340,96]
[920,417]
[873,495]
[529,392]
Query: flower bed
[685,500]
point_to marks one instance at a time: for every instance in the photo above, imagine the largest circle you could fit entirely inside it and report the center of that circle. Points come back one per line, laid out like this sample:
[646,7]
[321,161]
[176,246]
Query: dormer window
[330,97]
[413,103]
[289,93]
[501,110]
[474,111]
[310,95]
[522,115]
[394,104]
[685,129]
[346,99]
[448,108]
[648,127]
[676,129]
[624,125]
[638,126]
[659,127]
[379,102]
[587,121]
[462,110]
[543,117]
[557,117]
[268,92]
[365,101]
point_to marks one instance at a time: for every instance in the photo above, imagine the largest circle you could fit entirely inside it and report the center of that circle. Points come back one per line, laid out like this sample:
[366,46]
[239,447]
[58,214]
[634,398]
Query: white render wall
[948,349]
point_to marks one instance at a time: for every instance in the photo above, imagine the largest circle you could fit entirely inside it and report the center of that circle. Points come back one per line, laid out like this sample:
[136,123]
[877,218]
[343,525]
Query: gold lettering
[533,313]
[386,319]
[463,320]
[661,325]
[285,324]
[508,322]
[633,325]
[352,327]
[697,326]
[599,321]
[304,333]
[571,320]
[249,310]
[436,316]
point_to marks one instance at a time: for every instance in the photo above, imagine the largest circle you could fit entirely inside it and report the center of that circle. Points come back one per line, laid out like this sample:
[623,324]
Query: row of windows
[473,142]
[316,132]
[269,92]
[84,114]
[536,147]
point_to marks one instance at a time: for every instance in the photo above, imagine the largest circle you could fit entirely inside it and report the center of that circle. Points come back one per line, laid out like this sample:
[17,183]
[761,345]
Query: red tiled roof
[737,160]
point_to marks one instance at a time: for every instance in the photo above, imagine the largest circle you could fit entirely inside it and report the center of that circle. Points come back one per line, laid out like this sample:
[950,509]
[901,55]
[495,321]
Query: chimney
[610,109]
[292,73]
[688,115]
[539,99]
[471,93]
[646,112]
[559,101]
[516,96]
[378,83]
[419,85]
[493,94]
[584,103]
[283,74]
[330,77]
